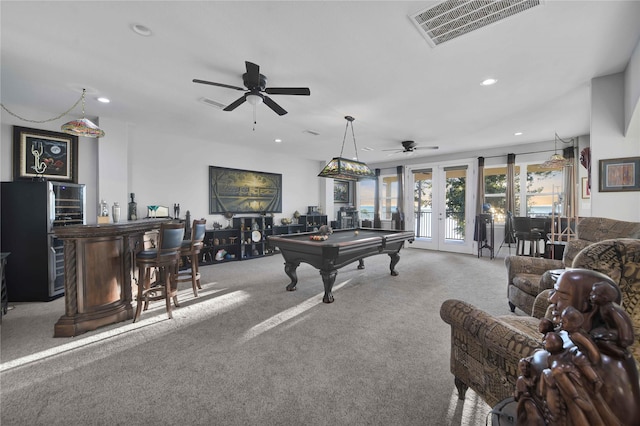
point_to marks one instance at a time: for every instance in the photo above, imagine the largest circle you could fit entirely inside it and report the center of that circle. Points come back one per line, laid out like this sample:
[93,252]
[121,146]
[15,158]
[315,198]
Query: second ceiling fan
[409,147]
[256,90]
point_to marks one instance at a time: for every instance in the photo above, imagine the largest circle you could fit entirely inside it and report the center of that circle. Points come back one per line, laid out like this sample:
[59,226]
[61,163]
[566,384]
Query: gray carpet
[247,352]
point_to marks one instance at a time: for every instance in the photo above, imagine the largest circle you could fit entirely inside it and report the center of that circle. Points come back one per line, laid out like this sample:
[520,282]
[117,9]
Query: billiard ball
[356,233]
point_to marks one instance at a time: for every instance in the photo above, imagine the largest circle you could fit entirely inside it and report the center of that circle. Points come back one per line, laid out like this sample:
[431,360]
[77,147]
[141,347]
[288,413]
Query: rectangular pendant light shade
[344,169]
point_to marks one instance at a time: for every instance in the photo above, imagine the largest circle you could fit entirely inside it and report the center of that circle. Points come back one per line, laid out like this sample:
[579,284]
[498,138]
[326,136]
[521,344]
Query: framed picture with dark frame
[341,191]
[244,191]
[620,174]
[42,154]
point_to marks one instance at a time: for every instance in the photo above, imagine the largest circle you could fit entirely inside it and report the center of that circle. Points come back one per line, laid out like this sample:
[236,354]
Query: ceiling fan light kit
[409,148]
[344,169]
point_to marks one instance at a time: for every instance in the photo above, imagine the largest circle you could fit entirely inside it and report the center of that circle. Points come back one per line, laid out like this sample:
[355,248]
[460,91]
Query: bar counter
[98,273]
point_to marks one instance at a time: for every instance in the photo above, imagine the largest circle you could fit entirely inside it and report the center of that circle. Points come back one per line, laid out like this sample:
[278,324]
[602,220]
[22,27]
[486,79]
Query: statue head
[573,288]
[604,292]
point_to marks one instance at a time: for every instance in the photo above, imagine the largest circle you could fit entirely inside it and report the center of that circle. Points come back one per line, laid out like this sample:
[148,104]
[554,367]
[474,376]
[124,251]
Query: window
[542,186]
[495,191]
[367,195]
[389,197]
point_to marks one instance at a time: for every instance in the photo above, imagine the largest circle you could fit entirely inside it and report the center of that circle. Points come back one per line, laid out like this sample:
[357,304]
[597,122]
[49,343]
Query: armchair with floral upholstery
[486,349]
[529,276]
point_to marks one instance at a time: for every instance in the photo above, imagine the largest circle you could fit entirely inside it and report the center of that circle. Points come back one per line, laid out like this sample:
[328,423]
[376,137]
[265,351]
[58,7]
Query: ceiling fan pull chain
[254,118]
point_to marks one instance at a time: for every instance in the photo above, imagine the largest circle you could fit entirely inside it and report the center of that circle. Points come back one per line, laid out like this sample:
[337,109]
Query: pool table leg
[328,278]
[395,258]
[290,270]
[360,263]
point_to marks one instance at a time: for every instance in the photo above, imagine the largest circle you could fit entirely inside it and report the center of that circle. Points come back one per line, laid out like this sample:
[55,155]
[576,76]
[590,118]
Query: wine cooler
[30,212]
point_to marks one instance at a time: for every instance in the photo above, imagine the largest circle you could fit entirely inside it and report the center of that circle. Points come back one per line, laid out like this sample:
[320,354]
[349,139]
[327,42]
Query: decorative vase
[115,212]
[133,208]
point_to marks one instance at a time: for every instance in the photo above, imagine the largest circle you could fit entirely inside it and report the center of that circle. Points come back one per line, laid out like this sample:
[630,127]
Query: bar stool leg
[167,293]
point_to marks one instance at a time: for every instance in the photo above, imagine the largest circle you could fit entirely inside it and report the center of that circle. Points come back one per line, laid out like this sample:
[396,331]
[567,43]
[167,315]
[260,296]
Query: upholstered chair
[486,349]
[527,277]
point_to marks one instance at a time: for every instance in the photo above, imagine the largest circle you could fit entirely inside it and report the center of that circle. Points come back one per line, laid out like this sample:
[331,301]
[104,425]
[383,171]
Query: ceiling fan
[256,84]
[409,148]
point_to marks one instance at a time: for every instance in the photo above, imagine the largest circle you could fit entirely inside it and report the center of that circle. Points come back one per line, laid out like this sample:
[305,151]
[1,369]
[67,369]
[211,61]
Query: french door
[440,213]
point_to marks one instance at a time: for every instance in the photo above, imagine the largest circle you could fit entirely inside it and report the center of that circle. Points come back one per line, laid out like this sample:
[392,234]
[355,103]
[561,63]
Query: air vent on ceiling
[212,103]
[452,18]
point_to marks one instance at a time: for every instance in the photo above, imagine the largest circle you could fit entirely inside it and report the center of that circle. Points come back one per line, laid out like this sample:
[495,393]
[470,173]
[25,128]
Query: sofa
[529,276]
[486,349]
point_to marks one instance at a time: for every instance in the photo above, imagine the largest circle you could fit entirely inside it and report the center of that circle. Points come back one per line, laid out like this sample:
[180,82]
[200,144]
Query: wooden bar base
[99,271]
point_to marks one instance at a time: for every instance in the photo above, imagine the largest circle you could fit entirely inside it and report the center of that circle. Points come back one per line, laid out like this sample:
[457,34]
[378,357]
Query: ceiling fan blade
[217,84]
[427,147]
[394,149]
[274,106]
[302,91]
[252,78]
[235,104]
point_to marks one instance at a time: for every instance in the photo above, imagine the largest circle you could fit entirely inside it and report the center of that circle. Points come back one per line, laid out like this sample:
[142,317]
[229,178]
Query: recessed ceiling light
[141,30]
[489,81]
[103,100]
[518,133]
[277,140]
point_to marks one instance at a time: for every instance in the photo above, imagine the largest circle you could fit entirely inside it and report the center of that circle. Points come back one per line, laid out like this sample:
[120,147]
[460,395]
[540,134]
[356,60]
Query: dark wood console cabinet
[247,237]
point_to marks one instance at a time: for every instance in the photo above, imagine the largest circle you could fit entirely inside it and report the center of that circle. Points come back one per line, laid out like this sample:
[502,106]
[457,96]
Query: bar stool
[190,251]
[165,257]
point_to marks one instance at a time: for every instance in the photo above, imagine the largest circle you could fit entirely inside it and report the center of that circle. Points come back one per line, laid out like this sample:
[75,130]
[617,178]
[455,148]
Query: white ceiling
[364,59]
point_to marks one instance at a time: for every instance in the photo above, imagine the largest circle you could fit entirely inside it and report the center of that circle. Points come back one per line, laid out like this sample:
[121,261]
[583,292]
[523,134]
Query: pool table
[340,249]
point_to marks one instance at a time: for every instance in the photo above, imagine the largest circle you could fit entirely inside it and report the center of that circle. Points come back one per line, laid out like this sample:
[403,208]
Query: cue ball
[356,232]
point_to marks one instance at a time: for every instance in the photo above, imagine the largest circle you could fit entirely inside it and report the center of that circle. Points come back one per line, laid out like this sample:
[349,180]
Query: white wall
[166,169]
[632,91]
[608,141]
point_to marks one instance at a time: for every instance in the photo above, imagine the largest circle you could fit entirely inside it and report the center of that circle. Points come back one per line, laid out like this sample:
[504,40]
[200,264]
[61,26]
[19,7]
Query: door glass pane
[456,182]
[423,202]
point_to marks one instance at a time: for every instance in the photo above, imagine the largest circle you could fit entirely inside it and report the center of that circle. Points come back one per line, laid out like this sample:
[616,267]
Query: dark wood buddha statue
[585,375]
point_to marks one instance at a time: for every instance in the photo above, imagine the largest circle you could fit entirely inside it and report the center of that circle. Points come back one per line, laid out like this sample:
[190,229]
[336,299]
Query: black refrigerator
[30,211]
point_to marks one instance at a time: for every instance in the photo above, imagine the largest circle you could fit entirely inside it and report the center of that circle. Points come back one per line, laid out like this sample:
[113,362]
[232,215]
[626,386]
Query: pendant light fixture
[345,169]
[557,161]
[82,127]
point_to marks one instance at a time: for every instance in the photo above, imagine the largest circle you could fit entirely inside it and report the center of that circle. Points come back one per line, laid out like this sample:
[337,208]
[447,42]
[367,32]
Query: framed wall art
[244,191]
[42,154]
[341,191]
[620,174]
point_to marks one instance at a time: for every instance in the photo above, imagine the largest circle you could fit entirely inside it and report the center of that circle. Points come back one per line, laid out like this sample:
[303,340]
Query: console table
[98,272]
